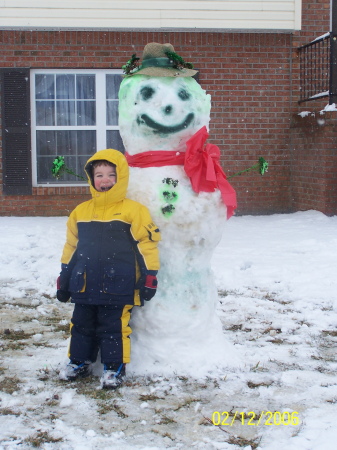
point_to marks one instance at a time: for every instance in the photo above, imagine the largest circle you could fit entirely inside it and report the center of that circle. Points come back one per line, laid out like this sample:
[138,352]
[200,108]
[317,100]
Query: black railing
[315,69]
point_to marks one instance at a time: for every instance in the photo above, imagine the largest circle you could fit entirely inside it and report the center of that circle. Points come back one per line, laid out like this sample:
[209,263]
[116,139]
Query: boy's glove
[61,295]
[149,288]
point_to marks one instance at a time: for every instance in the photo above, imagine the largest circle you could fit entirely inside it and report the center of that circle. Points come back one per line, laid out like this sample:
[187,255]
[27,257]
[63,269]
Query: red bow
[201,164]
[203,168]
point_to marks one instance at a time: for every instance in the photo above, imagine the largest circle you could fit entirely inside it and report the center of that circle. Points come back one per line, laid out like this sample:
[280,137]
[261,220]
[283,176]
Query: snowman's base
[192,351]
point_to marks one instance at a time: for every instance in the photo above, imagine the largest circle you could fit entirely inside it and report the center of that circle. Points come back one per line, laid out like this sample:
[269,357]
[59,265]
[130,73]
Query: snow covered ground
[276,277]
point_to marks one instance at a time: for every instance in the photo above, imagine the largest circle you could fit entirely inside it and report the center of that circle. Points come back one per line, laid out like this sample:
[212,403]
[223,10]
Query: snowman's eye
[183,94]
[146,92]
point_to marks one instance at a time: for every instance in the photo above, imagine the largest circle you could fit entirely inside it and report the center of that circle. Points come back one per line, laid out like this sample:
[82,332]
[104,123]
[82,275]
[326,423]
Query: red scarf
[201,164]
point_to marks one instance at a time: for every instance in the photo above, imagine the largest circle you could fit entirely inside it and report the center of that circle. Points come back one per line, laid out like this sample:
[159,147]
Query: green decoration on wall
[261,166]
[59,168]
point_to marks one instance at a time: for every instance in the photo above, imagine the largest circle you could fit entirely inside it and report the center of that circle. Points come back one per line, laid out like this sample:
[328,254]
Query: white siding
[195,15]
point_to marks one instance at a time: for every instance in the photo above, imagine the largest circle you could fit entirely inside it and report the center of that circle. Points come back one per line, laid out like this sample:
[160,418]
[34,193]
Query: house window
[74,113]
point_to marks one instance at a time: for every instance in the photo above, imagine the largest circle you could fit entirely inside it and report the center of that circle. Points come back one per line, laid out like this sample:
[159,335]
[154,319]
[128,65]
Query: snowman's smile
[159,128]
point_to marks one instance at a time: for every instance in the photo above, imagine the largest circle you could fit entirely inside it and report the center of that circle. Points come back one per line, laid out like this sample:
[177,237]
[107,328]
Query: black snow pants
[100,327]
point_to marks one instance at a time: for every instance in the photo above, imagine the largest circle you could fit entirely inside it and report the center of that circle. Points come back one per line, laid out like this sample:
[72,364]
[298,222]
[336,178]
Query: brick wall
[314,160]
[252,78]
[44,202]
[312,138]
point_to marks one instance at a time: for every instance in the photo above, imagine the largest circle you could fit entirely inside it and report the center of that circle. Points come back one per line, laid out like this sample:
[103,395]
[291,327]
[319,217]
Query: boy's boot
[113,375]
[74,370]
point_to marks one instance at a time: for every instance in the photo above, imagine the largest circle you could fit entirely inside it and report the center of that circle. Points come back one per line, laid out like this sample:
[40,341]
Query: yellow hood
[118,191]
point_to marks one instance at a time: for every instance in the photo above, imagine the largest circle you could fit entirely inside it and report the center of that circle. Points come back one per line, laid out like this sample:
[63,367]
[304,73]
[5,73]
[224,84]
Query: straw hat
[160,60]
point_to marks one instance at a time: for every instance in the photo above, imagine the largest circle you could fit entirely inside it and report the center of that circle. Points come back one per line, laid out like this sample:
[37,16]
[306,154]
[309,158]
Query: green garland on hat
[131,65]
[178,62]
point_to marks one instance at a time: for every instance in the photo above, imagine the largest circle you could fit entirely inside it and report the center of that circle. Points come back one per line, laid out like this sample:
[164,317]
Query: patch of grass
[223,293]
[17,335]
[8,412]
[183,378]
[43,374]
[216,383]
[233,439]
[53,401]
[164,420]
[10,385]
[145,398]
[252,385]
[330,333]
[57,326]
[84,386]
[187,402]
[105,398]
[242,442]
[271,329]
[271,298]
[13,339]
[282,366]
[61,328]
[324,369]
[328,308]
[52,320]
[258,368]
[206,421]
[42,344]
[25,319]
[40,438]
[144,381]
[235,327]
[166,434]
[106,407]
[14,346]
[276,341]
[323,358]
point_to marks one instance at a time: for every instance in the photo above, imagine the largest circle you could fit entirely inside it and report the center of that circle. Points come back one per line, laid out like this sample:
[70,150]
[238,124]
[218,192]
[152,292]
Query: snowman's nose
[168,109]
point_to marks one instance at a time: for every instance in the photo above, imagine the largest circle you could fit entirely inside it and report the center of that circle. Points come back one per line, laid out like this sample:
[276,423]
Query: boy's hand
[62,296]
[148,290]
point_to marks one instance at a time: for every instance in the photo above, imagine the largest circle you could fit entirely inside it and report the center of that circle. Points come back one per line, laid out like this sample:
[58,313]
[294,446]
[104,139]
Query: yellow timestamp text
[226,418]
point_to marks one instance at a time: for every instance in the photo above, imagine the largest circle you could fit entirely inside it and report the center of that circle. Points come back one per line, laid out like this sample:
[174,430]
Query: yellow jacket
[111,242]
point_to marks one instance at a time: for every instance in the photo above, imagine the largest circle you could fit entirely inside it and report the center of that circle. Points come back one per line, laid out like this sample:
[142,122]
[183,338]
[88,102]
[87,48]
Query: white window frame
[101,128]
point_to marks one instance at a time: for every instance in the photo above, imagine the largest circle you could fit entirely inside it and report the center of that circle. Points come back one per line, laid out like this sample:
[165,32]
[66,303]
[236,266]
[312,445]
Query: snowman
[164,116]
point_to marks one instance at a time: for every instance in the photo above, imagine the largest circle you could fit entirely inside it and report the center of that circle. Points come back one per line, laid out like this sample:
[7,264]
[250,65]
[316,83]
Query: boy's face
[104,177]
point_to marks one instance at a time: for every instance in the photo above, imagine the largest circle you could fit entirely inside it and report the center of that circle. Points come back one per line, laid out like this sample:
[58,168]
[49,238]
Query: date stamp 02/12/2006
[251,418]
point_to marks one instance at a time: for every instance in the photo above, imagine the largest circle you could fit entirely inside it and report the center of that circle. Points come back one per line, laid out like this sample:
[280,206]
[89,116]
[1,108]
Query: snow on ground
[276,277]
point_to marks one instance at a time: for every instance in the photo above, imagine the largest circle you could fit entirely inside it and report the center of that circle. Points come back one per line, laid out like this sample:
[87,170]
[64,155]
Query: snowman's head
[160,110]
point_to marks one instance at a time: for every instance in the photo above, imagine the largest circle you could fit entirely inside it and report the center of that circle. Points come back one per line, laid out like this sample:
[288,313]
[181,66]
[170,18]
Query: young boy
[109,264]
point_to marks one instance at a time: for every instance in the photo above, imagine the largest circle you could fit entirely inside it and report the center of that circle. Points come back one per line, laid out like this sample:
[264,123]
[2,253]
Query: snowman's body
[162,113]
[189,234]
